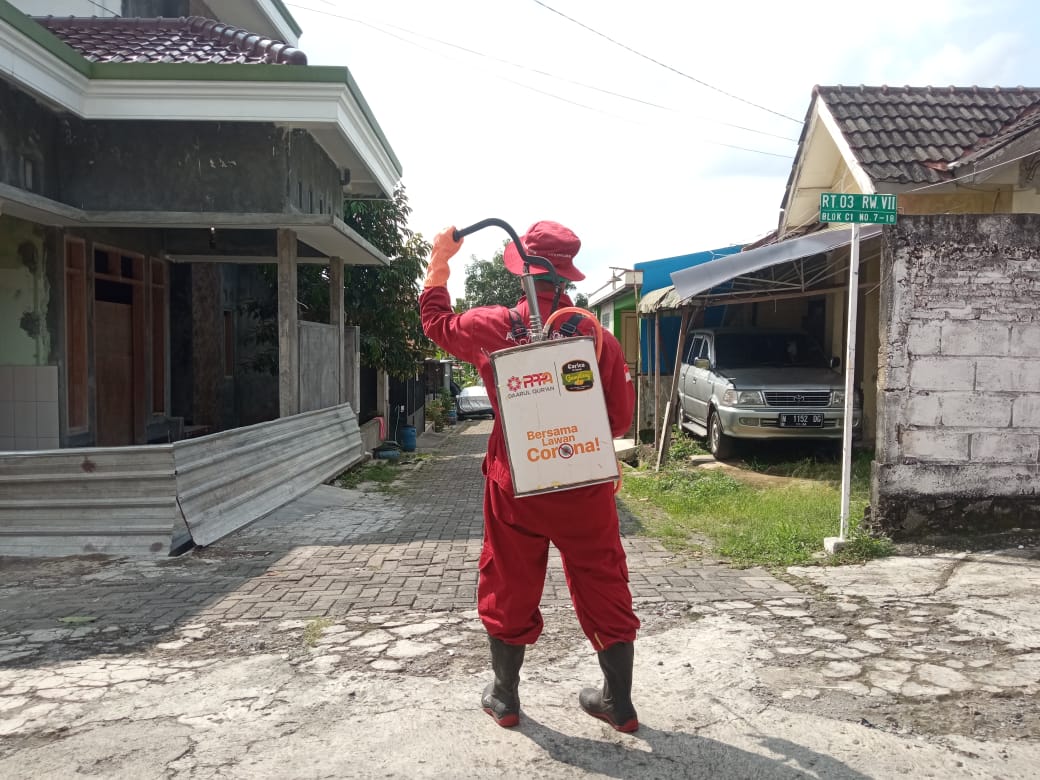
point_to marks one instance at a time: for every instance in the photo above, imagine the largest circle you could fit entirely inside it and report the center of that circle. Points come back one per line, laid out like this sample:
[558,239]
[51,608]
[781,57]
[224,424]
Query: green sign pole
[855,209]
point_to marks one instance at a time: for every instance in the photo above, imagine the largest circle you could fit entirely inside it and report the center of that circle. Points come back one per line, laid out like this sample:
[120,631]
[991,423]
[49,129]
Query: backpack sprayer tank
[550,398]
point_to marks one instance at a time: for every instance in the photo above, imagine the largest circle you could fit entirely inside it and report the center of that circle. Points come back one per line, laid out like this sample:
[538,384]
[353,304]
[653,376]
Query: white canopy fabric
[655,301]
[701,278]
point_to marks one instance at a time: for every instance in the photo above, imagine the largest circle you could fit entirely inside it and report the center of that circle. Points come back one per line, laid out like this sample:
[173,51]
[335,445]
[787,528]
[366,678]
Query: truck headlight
[838,398]
[742,398]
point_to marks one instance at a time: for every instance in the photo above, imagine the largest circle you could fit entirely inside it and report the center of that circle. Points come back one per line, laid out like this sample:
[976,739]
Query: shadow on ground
[668,754]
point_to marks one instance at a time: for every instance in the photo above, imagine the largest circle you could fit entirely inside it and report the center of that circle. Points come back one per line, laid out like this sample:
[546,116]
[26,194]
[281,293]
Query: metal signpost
[855,209]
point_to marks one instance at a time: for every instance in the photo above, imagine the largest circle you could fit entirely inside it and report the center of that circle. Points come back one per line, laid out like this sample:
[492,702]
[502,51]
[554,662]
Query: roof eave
[326,233]
[610,295]
[819,115]
[863,180]
[264,16]
[324,100]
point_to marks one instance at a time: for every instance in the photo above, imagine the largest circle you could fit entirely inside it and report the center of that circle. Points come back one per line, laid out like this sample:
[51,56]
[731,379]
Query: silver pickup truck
[760,384]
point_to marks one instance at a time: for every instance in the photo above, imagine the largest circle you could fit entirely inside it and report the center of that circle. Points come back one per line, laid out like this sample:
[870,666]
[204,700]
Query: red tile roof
[185,39]
[912,134]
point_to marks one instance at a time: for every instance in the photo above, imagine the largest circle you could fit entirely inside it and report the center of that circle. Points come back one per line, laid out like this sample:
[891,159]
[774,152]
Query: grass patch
[862,547]
[682,445]
[380,472]
[757,524]
[312,631]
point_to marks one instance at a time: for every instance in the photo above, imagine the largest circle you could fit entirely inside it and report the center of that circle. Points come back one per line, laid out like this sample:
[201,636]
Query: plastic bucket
[408,438]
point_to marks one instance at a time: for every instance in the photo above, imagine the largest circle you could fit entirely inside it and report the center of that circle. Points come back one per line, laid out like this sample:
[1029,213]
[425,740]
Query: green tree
[382,300]
[488,283]
[581,300]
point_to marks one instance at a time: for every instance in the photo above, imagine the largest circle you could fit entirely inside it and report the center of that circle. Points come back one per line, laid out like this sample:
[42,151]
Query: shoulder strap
[570,325]
[517,328]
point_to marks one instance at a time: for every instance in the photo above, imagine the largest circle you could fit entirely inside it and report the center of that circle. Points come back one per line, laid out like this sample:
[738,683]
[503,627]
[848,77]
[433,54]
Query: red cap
[552,241]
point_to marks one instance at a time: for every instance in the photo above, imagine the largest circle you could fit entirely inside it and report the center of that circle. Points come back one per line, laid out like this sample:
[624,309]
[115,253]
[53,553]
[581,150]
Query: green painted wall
[623,303]
[24,294]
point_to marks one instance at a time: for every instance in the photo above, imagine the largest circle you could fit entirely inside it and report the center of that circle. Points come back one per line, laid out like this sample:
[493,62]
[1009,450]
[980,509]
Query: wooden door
[114,371]
[630,346]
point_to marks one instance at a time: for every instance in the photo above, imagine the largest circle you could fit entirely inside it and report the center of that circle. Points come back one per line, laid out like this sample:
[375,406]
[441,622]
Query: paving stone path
[417,546]
[316,626]
[333,552]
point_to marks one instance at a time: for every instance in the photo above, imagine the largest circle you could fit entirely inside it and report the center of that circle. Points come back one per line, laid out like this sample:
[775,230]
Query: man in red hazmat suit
[581,522]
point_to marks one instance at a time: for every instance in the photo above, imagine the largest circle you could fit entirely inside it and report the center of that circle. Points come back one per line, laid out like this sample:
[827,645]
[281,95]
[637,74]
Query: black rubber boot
[614,703]
[501,699]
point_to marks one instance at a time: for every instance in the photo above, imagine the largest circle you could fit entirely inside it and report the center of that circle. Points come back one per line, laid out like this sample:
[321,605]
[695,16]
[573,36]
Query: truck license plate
[801,420]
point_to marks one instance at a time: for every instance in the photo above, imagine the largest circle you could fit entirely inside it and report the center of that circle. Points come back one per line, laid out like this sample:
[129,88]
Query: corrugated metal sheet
[146,500]
[118,500]
[227,480]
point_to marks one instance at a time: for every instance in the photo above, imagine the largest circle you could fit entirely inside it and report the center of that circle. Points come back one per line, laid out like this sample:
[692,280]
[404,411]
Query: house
[948,351]
[616,305]
[150,164]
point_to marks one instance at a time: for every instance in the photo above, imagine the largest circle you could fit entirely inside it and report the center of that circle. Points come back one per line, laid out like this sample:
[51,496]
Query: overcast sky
[504,108]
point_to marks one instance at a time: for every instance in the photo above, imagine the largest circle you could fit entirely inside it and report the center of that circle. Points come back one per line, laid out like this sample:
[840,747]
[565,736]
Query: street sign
[857,209]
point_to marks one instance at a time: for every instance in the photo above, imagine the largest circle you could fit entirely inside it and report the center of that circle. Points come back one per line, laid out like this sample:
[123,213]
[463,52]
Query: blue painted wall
[658,274]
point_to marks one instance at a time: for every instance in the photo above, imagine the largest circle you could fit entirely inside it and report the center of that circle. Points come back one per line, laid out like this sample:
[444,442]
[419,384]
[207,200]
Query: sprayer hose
[597,328]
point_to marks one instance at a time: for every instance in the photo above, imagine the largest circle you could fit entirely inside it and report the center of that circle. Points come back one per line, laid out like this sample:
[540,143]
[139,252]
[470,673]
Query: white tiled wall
[28,408]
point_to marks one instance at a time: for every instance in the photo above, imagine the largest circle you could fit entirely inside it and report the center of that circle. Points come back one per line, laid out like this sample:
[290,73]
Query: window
[30,174]
[764,350]
[698,348]
[76,334]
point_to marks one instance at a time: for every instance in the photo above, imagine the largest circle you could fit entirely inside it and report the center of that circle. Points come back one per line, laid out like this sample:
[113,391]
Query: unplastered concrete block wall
[959,376]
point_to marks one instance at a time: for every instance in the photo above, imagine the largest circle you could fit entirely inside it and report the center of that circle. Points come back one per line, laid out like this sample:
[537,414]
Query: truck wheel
[720,444]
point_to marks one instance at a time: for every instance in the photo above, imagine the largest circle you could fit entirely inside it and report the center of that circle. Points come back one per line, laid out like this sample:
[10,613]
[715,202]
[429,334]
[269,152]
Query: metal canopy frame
[737,271]
[784,274]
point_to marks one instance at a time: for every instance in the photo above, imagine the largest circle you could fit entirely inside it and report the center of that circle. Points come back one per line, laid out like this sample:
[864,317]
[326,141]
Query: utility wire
[102,7]
[379,28]
[665,66]
[401,38]
[564,79]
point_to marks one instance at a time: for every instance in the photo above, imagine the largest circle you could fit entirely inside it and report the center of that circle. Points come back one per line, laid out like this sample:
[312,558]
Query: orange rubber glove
[444,248]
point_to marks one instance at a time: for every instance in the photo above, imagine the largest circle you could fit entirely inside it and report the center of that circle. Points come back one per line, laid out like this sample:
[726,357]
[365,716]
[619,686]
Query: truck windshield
[767,350]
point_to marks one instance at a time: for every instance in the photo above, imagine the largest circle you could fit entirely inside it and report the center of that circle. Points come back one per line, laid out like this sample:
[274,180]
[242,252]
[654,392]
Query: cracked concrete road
[336,640]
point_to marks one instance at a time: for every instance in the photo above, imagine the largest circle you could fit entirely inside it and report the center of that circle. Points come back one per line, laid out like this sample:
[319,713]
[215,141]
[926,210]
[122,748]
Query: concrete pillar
[871,345]
[383,394]
[207,351]
[352,366]
[336,318]
[288,327]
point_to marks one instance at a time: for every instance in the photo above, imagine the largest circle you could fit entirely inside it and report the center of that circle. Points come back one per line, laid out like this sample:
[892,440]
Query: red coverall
[582,522]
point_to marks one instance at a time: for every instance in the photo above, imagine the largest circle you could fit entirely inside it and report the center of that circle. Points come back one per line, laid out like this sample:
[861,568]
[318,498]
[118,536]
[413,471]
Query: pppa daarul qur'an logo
[530,384]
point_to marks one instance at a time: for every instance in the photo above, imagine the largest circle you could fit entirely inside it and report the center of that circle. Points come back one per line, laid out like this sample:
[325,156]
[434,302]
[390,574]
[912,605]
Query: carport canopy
[738,268]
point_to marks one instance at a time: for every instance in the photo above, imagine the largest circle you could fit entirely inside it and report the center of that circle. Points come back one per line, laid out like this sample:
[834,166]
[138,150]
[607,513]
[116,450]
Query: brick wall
[959,376]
